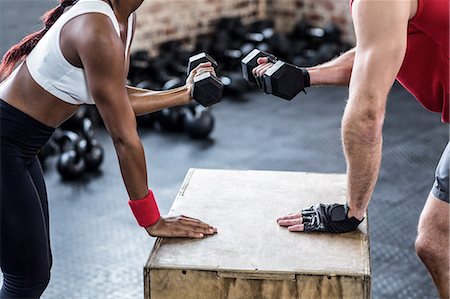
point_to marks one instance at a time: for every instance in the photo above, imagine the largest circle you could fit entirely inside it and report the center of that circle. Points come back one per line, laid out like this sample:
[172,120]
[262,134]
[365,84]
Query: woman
[81,56]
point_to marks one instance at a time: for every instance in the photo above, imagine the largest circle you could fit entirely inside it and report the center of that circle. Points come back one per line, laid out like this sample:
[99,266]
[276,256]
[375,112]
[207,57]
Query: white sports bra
[50,69]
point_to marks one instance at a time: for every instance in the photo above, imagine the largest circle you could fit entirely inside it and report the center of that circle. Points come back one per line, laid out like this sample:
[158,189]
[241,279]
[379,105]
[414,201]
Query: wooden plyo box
[251,256]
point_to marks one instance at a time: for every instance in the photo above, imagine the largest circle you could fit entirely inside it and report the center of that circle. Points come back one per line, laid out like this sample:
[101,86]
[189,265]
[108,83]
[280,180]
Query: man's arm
[381,32]
[334,72]
[381,44]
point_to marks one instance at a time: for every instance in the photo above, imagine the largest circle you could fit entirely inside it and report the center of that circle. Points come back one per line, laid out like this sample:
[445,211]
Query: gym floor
[99,251]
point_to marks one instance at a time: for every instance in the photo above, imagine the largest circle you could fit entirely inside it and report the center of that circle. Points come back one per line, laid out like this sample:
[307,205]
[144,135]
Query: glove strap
[306,78]
[145,210]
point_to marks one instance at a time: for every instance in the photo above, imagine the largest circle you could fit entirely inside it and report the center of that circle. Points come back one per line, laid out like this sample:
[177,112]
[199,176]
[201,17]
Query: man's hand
[332,218]
[181,227]
[263,65]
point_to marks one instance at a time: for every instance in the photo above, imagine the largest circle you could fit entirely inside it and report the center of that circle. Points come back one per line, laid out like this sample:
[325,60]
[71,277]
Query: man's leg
[432,244]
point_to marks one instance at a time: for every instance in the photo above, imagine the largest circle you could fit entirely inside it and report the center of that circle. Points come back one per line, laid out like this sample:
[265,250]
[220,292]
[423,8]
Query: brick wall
[320,12]
[163,20]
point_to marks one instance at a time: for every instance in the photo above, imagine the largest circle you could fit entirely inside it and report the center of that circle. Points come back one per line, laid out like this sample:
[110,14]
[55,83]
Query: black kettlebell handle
[74,140]
[87,130]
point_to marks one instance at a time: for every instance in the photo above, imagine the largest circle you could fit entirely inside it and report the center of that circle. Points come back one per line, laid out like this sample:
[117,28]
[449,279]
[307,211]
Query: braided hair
[20,51]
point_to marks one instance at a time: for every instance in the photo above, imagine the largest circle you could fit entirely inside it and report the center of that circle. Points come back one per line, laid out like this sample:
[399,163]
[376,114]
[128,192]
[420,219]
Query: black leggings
[25,254]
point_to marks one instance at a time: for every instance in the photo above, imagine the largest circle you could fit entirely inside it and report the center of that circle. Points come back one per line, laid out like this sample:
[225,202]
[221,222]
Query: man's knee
[425,249]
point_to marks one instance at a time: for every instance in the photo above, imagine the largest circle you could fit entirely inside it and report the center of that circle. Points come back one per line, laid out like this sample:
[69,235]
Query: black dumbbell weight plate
[207,90]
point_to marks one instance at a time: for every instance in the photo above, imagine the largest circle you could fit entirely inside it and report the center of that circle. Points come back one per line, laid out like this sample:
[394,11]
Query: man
[407,40]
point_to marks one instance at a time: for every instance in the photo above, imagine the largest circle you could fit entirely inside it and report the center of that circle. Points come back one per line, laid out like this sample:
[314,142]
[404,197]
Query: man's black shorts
[441,183]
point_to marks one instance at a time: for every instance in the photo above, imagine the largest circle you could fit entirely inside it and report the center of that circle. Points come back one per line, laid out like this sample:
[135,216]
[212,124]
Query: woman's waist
[19,129]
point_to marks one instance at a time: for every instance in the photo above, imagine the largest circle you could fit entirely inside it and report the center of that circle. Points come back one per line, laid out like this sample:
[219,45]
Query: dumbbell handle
[249,62]
[207,89]
[196,60]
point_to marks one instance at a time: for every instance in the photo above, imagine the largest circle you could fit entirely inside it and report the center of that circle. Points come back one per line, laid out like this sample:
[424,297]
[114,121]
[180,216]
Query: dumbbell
[207,88]
[249,62]
[283,80]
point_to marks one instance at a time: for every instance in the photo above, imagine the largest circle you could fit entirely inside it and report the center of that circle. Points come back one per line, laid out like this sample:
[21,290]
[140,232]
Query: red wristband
[145,210]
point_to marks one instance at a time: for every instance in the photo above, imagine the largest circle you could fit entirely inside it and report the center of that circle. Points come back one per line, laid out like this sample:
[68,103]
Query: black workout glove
[331,218]
[261,82]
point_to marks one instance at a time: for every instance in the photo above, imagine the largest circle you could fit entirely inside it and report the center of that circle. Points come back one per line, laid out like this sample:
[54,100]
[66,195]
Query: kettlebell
[75,121]
[171,119]
[93,154]
[71,164]
[198,121]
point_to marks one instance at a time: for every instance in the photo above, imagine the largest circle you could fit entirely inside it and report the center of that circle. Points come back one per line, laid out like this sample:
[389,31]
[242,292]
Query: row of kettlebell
[78,153]
[194,119]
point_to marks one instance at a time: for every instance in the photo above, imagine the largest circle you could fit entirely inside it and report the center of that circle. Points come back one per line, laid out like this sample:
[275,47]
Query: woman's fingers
[202,65]
[190,231]
[198,227]
[206,231]
[195,235]
[205,70]
[190,219]
[203,224]
[200,69]
[186,233]
[181,226]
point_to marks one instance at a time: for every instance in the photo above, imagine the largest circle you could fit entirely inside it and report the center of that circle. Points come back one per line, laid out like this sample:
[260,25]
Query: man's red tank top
[425,69]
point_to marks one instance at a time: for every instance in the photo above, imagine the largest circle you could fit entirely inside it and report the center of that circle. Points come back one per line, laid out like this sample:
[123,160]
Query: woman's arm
[147,101]
[101,52]
[104,69]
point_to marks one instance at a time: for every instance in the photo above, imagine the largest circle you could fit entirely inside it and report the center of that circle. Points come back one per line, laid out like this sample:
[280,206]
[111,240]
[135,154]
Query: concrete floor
[99,251]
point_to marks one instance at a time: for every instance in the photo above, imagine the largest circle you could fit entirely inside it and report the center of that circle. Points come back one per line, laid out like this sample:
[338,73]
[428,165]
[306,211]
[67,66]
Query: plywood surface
[244,205]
